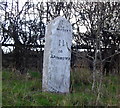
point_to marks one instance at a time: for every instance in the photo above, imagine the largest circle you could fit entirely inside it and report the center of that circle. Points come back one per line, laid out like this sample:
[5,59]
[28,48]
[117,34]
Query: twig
[78,55]
[110,57]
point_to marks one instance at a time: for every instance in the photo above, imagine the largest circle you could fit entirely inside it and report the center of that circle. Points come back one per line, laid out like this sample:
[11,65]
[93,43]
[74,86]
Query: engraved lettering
[60,58]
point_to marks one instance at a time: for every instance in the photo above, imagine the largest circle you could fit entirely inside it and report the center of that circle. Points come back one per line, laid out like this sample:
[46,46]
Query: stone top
[61,25]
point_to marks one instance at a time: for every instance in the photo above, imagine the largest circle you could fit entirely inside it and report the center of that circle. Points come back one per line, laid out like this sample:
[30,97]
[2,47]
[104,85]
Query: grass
[25,90]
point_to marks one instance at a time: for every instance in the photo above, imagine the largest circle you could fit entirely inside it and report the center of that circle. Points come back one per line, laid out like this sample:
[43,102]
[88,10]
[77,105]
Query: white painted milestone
[57,56]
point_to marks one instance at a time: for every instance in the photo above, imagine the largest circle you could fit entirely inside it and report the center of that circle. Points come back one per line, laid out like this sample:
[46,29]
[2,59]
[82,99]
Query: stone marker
[57,56]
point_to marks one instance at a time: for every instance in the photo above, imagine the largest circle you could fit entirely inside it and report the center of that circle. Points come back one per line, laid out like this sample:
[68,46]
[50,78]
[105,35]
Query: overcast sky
[22,2]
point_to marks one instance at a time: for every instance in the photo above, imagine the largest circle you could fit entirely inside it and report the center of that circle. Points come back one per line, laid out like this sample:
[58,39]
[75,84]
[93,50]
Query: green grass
[25,90]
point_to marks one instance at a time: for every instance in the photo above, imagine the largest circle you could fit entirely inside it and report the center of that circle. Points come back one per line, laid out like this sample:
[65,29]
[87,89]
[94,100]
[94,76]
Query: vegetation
[22,31]
[25,90]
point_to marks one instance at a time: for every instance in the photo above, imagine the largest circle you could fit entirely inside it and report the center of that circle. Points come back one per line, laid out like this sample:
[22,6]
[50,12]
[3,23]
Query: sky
[21,4]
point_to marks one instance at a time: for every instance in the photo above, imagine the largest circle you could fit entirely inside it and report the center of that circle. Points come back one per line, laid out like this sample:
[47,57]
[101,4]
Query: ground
[25,90]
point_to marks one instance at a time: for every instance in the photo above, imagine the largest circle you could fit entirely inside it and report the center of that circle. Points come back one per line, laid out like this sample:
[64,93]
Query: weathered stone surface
[57,56]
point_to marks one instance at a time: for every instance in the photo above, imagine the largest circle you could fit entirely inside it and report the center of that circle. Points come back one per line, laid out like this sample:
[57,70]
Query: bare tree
[98,18]
[101,40]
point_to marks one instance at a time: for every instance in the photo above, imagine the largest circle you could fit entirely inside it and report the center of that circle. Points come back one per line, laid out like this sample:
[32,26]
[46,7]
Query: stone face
[57,56]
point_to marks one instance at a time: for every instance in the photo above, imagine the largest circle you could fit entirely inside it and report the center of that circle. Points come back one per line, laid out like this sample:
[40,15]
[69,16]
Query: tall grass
[25,90]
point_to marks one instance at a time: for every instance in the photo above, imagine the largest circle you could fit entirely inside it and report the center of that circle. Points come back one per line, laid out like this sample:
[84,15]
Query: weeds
[25,90]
